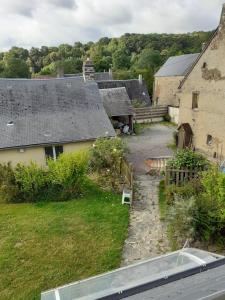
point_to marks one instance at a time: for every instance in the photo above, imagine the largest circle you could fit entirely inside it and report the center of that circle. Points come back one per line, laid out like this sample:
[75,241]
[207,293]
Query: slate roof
[51,111]
[135,90]
[116,102]
[100,76]
[177,65]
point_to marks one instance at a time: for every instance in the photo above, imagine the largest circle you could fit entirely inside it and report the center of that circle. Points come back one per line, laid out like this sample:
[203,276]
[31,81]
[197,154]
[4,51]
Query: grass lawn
[50,244]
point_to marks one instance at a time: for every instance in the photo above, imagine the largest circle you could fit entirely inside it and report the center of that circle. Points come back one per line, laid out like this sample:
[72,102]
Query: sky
[27,23]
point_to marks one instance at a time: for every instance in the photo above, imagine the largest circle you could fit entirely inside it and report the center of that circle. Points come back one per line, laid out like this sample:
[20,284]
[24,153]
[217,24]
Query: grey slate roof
[177,65]
[135,90]
[102,76]
[116,102]
[51,111]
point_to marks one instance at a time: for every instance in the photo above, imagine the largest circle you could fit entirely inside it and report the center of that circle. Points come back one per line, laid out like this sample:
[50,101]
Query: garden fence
[178,177]
[127,172]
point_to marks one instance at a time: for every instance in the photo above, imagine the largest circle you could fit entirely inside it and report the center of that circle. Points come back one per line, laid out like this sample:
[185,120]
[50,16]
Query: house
[43,118]
[202,97]
[168,79]
[136,89]
[185,274]
[118,106]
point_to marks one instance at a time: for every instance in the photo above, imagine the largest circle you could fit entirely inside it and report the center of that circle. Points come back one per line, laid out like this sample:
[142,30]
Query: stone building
[202,97]
[169,77]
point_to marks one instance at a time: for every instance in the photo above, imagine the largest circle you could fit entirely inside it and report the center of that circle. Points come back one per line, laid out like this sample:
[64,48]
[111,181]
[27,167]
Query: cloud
[51,22]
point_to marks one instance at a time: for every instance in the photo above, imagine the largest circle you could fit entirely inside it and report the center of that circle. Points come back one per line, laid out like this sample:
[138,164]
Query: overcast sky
[29,23]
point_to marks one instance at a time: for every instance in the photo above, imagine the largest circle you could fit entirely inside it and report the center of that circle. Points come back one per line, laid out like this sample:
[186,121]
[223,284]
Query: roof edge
[199,57]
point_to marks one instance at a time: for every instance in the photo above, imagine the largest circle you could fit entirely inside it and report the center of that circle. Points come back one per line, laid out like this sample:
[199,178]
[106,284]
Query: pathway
[147,233]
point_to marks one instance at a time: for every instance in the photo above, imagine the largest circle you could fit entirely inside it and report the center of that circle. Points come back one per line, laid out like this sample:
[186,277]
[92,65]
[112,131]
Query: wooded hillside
[128,55]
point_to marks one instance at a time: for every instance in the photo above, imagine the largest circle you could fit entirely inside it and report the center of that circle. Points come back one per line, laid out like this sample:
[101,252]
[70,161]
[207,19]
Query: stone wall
[165,89]
[208,79]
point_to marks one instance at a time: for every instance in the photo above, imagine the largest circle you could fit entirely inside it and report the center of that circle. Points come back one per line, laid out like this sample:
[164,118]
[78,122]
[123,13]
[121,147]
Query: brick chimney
[88,70]
[60,71]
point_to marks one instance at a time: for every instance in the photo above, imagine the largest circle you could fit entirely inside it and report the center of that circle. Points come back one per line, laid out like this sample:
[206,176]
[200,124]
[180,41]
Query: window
[53,151]
[209,140]
[195,98]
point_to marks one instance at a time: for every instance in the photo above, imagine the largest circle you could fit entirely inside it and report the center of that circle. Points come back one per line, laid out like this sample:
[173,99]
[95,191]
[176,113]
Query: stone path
[147,234]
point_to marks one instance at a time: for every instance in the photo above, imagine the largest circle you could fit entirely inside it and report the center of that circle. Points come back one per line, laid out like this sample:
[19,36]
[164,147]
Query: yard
[50,244]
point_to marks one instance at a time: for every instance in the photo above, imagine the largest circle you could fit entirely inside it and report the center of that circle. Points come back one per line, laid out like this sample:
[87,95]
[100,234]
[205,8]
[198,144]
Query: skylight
[123,280]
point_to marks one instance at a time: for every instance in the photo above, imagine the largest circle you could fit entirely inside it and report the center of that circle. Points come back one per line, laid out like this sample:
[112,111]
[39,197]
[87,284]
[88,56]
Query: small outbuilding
[118,106]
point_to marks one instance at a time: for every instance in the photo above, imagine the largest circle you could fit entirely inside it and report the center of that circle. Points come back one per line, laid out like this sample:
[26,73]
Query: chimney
[203,46]
[222,19]
[140,79]
[110,74]
[60,72]
[88,70]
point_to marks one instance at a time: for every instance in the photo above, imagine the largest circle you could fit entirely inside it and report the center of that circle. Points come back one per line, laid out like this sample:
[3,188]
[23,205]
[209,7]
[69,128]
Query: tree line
[127,56]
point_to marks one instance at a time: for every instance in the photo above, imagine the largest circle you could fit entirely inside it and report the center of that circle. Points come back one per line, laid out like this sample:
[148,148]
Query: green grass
[50,244]
[162,200]
[140,127]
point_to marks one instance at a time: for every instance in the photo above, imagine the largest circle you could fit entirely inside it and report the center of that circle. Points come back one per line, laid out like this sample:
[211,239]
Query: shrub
[105,159]
[186,191]
[201,204]
[30,181]
[8,188]
[181,223]
[210,218]
[188,159]
[68,173]
[167,118]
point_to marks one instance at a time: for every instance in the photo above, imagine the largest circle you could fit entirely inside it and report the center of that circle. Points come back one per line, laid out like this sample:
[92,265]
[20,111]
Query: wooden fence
[127,172]
[179,177]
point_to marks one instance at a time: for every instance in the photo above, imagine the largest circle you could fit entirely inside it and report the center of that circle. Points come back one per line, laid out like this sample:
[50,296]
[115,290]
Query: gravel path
[152,142]
[147,233]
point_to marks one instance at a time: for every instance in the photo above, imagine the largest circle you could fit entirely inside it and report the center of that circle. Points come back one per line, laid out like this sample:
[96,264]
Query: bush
[181,224]
[189,189]
[105,159]
[63,179]
[201,205]
[8,188]
[188,159]
[30,181]
[210,217]
[68,173]
[167,118]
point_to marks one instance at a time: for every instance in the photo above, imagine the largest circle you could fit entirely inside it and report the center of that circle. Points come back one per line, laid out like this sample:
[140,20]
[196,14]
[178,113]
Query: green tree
[15,68]
[121,60]
[149,59]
